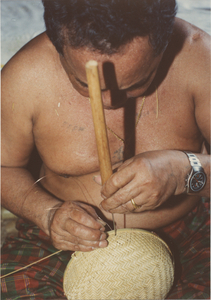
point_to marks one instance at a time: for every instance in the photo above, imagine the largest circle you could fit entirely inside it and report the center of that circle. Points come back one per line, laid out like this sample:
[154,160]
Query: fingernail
[103,244]
[103,236]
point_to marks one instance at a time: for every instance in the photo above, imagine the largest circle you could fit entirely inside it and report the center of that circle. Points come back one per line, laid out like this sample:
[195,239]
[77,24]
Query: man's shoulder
[32,60]
[38,47]
[191,38]
[192,64]
[32,69]
[189,50]
[30,73]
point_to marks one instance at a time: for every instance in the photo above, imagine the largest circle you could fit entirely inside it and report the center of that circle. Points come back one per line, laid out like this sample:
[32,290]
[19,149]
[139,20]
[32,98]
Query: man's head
[106,25]
[123,75]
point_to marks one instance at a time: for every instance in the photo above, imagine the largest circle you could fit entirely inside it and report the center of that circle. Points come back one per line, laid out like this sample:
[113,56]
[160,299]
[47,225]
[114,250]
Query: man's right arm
[71,226]
[17,143]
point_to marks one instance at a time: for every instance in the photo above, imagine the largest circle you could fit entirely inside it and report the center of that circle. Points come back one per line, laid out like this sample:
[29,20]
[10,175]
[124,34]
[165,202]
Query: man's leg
[43,280]
[191,240]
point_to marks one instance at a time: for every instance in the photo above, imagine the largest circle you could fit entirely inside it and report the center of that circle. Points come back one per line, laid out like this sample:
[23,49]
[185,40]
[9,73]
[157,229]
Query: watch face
[197,181]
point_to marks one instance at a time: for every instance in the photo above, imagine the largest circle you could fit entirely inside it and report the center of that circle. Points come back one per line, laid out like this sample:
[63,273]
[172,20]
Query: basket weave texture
[137,264]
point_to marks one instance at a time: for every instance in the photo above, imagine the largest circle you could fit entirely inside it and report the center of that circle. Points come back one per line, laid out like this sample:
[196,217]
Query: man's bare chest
[64,133]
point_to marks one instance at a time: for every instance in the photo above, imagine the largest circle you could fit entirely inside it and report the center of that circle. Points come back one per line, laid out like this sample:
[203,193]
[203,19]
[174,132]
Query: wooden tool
[99,122]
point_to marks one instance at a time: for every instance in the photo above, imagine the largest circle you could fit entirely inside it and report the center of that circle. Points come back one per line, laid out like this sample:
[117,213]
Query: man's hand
[75,226]
[149,179]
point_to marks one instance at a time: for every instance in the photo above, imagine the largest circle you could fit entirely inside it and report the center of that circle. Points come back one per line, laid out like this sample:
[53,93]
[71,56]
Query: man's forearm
[24,198]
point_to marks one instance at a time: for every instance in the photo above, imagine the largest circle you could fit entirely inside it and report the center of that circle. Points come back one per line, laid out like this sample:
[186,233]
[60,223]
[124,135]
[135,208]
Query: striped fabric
[188,239]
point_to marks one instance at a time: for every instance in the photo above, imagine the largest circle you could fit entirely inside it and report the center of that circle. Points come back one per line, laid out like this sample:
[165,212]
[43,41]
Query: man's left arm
[200,81]
[151,178]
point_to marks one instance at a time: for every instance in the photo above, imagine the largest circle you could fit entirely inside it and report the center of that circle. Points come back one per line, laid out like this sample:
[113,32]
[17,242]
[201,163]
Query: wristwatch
[196,180]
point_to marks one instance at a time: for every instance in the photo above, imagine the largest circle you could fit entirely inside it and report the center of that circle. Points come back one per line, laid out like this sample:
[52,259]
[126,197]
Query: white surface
[23,19]
[197,12]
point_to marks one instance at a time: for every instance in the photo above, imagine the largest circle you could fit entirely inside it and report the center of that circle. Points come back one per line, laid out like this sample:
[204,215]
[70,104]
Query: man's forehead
[133,60]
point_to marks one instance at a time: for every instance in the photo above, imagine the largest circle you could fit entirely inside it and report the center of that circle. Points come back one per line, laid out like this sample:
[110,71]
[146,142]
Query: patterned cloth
[187,238]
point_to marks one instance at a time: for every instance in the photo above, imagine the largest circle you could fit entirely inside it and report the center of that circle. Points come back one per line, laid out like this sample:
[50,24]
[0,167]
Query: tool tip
[91,63]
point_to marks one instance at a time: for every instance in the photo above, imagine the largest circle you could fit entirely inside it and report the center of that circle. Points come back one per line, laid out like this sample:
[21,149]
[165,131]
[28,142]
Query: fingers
[67,246]
[93,213]
[80,213]
[135,179]
[83,232]
[63,240]
[148,178]
[116,205]
[74,228]
[144,199]
[117,181]
[119,201]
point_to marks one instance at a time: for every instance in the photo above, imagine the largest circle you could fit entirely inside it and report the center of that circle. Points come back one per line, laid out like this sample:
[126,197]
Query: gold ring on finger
[134,204]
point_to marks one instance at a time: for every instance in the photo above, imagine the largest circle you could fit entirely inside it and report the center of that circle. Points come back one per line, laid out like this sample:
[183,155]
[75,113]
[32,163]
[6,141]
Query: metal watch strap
[194,161]
[196,167]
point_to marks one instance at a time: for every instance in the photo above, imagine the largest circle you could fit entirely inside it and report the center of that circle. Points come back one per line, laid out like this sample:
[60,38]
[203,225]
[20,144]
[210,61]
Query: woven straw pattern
[136,264]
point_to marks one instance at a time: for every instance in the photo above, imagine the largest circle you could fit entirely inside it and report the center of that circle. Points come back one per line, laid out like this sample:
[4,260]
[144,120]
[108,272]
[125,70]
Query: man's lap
[43,280]
[188,239]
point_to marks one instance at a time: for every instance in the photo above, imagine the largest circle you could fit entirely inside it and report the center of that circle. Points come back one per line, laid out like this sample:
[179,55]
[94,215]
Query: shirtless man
[45,102]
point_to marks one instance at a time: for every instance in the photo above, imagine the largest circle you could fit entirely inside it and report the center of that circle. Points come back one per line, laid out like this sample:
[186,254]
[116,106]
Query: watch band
[194,161]
[197,170]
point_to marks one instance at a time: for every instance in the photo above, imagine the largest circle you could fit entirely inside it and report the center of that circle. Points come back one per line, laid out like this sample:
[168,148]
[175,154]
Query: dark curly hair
[106,25]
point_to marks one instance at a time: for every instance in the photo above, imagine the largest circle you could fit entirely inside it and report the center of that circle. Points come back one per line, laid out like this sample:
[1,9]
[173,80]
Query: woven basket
[137,264]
